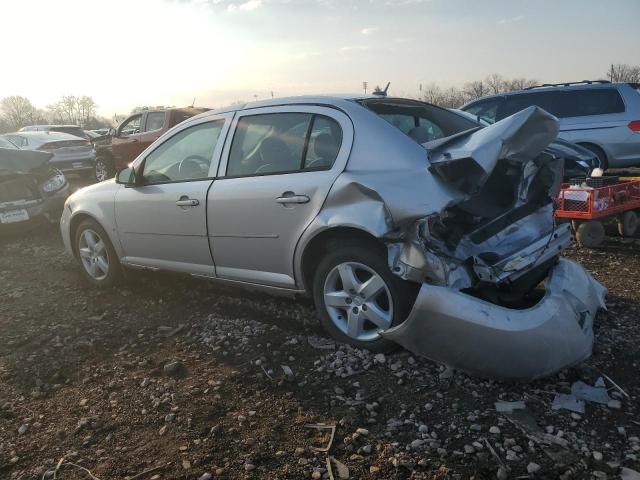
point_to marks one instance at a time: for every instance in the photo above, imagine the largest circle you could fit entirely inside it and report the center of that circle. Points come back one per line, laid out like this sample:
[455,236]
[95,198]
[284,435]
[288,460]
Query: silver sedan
[405,222]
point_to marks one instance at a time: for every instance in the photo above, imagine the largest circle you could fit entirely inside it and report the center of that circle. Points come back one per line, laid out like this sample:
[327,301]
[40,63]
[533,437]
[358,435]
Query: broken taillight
[634,126]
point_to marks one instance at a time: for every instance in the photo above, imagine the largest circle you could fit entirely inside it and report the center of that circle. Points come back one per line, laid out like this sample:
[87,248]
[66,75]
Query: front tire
[97,257]
[357,296]
[102,170]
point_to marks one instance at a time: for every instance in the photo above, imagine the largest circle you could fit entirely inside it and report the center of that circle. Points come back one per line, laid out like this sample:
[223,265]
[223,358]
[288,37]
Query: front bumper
[47,209]
[470,334]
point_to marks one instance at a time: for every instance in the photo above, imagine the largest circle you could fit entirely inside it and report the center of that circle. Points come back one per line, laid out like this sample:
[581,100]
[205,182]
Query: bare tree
[432,93]
[72,110]
[519,84]
[621,72]
[17,112]
[495,83]
[475,89]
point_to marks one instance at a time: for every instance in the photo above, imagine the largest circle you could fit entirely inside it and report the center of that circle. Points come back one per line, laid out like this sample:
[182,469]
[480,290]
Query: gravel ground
[170,377]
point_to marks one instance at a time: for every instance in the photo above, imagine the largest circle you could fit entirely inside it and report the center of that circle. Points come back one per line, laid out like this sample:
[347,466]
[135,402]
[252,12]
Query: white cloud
[247,6]
[350,48]
[369,30]
[517,18]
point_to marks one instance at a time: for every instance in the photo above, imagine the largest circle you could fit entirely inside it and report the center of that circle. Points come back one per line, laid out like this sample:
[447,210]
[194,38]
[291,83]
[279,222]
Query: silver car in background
[70,154]
[601,116]
[407,224]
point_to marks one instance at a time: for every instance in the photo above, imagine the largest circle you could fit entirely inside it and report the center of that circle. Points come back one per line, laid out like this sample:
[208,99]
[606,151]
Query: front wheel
[97,257]
[357,296]
[103,169]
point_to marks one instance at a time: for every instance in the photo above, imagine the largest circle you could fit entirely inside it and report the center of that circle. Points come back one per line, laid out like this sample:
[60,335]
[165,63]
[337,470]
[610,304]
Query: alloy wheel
[93,254]
[101,171]
[358,301]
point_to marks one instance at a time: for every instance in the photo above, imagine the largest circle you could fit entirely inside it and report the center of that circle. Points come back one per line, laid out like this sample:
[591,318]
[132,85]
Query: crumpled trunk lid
[505,224]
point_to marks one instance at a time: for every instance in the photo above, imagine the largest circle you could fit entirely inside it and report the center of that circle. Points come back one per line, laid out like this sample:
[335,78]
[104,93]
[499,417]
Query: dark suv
[133,135]
[601,116]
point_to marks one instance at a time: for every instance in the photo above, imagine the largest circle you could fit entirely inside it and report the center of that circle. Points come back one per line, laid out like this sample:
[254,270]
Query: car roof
[50,126]
[336,100]
[549,88]
[47,136]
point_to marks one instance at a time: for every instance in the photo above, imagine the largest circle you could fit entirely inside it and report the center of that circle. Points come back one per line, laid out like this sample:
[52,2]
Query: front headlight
[55,183]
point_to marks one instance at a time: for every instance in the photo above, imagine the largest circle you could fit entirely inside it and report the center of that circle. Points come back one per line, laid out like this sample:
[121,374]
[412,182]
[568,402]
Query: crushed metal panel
[521,137]
[476,336]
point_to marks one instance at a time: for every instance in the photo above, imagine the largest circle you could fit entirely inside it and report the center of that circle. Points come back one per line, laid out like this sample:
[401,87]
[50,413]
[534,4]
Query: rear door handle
[288,198]
[187,202]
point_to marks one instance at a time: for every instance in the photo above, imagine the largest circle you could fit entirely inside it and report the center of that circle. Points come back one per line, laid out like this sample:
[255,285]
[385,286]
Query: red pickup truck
[133,135]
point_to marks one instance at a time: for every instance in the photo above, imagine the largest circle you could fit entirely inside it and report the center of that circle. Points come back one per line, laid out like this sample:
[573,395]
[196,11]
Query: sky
[127,53]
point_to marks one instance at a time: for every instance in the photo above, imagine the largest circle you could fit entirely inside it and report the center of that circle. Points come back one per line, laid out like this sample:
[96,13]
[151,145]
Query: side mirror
[126,177]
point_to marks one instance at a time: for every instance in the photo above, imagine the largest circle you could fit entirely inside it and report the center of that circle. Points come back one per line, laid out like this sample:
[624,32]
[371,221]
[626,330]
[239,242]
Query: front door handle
[288,198]
[187,202]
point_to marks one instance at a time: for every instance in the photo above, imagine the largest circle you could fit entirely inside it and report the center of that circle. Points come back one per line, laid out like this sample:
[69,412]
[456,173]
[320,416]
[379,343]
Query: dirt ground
[171,377]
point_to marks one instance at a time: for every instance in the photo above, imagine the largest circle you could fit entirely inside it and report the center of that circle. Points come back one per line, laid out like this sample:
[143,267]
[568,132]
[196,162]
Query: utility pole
[364,86]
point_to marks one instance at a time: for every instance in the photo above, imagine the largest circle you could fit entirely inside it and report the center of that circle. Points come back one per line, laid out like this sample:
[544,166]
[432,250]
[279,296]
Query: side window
[131,126]
[283,142]
[487,111]
[185,156]
[599,101]
[268,143]
[155,121]
[324,143]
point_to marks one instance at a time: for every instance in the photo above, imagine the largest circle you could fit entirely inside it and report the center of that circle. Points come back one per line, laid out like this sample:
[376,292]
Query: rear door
[162,223]
[274,176]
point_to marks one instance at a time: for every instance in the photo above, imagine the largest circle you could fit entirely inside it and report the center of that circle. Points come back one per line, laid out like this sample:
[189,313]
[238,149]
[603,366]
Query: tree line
[17,111]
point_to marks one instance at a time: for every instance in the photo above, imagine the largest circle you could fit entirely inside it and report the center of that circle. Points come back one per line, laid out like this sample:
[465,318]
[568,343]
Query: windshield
[5,143]
[420,121]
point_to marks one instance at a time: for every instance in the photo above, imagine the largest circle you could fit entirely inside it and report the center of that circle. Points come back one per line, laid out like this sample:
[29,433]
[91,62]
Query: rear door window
[599,101]
[155,121]
[283,143]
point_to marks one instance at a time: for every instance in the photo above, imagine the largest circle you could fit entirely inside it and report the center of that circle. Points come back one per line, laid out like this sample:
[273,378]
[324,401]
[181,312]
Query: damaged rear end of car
[495,298]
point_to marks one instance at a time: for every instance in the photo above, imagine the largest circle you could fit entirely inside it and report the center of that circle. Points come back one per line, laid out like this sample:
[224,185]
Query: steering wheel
[266,168]
[193,166]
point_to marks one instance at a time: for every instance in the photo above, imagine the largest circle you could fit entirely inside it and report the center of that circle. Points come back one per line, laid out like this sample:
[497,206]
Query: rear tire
[97,257]
[602,157]
[374,298]
[590,234]
[628,224]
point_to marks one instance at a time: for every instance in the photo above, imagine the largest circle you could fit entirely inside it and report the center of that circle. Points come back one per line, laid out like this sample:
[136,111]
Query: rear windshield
[5,143]
[568,103]
[70,130]
[421,121]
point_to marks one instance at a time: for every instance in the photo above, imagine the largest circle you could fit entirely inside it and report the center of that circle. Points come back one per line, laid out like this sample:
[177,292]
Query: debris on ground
[91,375]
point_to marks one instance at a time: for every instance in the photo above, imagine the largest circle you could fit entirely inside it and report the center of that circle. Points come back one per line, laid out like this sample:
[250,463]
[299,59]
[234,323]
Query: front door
[126,145]
[274,177]
[162,222]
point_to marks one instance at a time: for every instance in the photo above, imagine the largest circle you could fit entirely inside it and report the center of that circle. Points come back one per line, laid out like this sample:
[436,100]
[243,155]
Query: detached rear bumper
[479,337]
